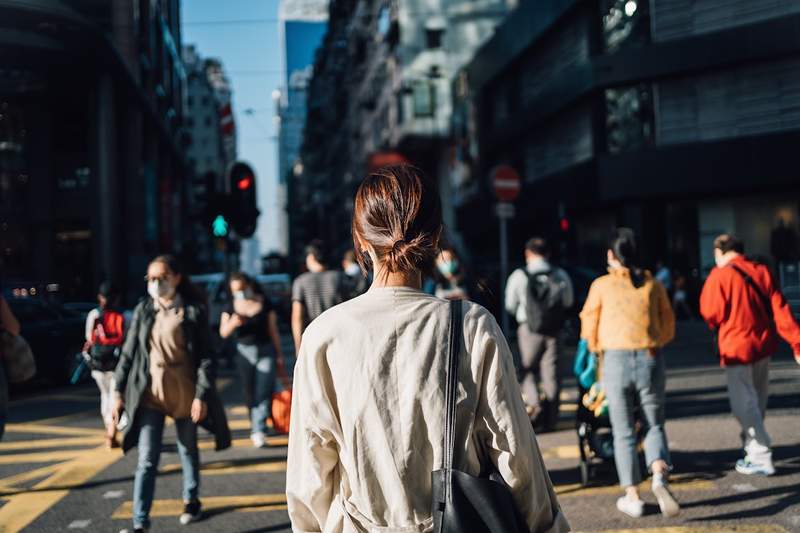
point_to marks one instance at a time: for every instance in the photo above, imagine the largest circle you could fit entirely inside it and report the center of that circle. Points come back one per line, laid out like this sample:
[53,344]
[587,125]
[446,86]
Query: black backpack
[544,303]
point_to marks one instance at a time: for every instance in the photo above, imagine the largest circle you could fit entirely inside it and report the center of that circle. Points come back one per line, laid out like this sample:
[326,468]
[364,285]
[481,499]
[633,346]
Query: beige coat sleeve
[503,428]
[313,455]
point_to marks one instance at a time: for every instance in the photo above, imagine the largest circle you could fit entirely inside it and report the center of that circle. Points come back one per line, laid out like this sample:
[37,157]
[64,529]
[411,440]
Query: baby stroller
[592,424]
[595,440]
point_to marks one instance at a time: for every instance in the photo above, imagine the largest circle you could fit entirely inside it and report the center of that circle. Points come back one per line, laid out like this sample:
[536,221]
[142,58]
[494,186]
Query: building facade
[381,92]
[676,119]
[211,148]
[91,158]
[303,25]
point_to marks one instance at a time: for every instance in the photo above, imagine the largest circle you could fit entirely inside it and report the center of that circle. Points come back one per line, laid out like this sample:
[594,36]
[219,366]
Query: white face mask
[353,270]
[160,288]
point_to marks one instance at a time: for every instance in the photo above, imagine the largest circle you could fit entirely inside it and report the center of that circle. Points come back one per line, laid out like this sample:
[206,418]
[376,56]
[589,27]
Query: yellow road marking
[676,484]
[22,509]
[51,430]
[49,443]
[220,468]
[7,485]
[756,528]
[561,452]
[39,457]
[246,443]
[568,407]
[238,411]
[241,504]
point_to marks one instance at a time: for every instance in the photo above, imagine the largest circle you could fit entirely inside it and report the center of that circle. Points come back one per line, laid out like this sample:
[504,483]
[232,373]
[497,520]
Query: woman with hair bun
[627,319]
[369,400]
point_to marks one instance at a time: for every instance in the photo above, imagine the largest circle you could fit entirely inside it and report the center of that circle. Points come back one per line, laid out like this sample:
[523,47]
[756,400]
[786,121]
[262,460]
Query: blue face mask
[448,267]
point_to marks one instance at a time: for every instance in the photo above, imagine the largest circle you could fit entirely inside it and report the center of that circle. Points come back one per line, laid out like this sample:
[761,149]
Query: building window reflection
[625,23]
[630,122]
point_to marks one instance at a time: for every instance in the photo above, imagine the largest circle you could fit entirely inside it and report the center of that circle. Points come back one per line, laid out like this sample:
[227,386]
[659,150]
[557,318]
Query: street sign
[505,210]
[506,183]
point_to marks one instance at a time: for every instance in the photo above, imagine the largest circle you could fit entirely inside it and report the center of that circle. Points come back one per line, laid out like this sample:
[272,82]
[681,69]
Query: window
[189,101]
[629,118]
[433,38]
[190,122]
[625,23]
[207,122]
[424,95]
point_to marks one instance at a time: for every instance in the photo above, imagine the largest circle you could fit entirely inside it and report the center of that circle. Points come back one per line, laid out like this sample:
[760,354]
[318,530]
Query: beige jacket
[368,409]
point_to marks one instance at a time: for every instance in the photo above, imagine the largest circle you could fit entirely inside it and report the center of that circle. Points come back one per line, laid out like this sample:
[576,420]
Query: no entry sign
[506,183]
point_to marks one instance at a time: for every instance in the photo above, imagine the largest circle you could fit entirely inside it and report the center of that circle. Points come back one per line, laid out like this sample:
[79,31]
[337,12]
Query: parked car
[54,333]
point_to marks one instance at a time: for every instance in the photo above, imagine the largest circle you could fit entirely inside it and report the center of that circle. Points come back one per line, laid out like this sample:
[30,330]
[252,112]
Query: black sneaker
[134,530]
[192,512]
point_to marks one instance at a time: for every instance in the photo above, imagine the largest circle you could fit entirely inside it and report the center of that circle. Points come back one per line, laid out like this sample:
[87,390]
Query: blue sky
[251,53]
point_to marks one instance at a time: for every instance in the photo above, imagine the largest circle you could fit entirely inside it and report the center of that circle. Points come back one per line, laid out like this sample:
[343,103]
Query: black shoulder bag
[463,503]
[765,301]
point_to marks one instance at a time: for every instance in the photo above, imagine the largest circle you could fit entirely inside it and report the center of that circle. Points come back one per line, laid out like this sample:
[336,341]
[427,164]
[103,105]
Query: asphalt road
[55,476]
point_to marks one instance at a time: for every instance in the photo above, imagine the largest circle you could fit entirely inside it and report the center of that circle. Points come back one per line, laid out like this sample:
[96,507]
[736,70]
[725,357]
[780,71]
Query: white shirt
[368,413]
[517,288]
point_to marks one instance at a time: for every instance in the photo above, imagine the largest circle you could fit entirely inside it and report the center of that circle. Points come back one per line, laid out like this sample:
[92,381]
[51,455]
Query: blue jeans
[629,375]
[151,430]
[257,370]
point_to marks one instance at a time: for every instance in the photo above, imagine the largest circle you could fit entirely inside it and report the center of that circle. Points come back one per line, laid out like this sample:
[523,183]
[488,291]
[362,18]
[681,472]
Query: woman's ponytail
[623,246]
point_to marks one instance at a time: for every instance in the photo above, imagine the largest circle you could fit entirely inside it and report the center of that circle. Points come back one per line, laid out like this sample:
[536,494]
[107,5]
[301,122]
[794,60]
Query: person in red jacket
[741,301]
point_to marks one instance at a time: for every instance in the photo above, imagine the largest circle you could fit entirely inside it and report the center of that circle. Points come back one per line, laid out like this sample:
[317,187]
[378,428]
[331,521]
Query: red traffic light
[245,182]
[564,224]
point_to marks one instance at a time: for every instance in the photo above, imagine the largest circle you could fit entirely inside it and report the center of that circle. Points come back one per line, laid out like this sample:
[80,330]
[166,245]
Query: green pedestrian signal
[220,226]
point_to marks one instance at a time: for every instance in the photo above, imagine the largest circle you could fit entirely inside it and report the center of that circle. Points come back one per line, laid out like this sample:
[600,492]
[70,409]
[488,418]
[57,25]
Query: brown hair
[399,213]
[726,243]
[185,288]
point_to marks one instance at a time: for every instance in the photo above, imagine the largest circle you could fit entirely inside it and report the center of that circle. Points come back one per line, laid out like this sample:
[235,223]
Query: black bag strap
[451,388]
[765,301]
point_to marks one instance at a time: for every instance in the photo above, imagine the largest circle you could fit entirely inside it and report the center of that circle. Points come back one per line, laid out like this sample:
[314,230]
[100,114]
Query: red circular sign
[506,183]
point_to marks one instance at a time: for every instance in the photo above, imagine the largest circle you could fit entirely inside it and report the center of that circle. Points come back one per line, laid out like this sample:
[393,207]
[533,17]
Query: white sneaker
[666,501]
[744,466]
[259,440]
[632,508]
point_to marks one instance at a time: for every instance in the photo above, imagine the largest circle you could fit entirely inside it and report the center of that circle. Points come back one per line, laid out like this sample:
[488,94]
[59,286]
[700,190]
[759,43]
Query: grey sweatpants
[748,387]
[539,359]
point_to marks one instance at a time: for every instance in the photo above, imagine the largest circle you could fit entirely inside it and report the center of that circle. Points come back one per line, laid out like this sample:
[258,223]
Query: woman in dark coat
[167,369]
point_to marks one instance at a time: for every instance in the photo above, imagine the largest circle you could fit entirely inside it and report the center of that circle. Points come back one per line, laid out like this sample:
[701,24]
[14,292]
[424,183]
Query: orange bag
[282,404]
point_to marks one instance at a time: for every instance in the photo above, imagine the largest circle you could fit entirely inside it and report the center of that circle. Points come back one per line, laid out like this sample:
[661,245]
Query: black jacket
[132,375]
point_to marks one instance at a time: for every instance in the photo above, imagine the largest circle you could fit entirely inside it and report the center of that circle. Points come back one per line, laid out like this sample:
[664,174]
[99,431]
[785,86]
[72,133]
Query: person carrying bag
[388,432]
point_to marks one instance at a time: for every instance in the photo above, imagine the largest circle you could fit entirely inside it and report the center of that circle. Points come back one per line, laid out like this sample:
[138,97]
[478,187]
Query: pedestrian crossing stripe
[40,457]
[39,444]
[211,504]
[747,528]
[8,485]
[276,442]
[561,452]
[677,484]
[22,509]
[221,468]
[52,430]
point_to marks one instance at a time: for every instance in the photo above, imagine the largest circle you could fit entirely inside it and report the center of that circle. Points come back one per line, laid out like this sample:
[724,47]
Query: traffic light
[242,207]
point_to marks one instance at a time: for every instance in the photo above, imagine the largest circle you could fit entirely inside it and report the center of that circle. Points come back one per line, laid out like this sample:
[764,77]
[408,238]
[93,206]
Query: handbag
[282,404]
[17,358]
[463,503]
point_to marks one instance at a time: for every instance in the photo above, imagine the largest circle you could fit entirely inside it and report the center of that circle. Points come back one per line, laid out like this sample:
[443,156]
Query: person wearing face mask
[354,282]
[451,283]
[742,302]
[167,369]
[253,322]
